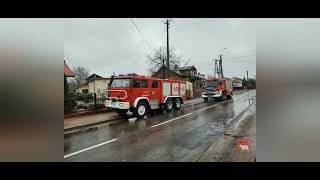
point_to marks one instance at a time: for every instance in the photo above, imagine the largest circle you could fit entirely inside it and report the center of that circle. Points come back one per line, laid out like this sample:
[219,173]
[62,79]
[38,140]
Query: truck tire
[230,95]
[205,99]
[177,104]
[121,112]
[140,110]
[223,97]
[168,105]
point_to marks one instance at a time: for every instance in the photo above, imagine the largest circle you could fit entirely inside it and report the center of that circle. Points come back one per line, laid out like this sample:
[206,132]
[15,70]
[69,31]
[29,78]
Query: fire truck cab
[139,94]
[217,88]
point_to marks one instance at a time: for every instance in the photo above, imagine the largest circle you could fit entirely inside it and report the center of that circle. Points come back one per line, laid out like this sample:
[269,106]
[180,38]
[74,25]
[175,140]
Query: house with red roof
[67,71]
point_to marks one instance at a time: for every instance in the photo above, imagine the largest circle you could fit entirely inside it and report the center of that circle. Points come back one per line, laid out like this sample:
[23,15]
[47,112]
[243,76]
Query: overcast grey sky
[114,45]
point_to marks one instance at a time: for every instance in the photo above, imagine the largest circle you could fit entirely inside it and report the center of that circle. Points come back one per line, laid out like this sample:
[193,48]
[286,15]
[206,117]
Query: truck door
[155,94]
[136,87]
[145,90]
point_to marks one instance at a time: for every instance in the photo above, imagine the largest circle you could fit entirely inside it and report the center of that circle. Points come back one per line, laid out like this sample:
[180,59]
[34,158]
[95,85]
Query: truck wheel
[121,112]
[205,99]
[223,97]
[141,110]
[168,105]
[230,95]
[177,104]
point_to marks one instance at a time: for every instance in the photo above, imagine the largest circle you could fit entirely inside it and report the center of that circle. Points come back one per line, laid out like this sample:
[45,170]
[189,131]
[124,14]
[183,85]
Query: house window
[136,83]
[154,84]
[85,91]
[144,83]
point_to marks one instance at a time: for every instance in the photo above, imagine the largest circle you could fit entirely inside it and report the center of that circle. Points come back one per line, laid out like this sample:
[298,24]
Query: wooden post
[95,100]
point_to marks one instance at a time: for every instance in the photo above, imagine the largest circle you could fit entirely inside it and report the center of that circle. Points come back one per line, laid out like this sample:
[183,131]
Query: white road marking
[170,120]
[92,147]
[186,115]
[207,107]
[132,119]
[212,106]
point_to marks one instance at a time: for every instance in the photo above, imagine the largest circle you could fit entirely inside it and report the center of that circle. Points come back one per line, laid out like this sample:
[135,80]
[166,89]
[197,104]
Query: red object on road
[217,88]
[140,94]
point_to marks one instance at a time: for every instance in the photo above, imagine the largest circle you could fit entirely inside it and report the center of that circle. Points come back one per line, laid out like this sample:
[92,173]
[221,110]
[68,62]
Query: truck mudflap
[116,104]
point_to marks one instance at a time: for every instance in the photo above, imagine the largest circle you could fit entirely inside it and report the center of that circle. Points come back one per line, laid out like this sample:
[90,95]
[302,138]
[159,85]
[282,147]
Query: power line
[237,62]
[135,25]
[240,57]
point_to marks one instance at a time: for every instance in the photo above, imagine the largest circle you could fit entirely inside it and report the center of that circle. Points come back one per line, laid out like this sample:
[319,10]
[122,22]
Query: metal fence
[80,102]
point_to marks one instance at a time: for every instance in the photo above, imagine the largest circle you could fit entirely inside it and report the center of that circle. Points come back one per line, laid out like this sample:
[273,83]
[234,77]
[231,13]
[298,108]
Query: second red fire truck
[217,88]
[139,94]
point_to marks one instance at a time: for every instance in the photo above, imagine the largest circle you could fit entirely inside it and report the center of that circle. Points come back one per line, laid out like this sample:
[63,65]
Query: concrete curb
[90,126]
[189,104]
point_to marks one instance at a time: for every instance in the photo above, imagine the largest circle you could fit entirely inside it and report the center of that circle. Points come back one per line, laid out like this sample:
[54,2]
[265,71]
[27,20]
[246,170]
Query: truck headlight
[121,104]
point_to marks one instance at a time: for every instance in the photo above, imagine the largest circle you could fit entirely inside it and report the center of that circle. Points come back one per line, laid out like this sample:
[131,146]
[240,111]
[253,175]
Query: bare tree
[81,74]
[72,85]
[156,58]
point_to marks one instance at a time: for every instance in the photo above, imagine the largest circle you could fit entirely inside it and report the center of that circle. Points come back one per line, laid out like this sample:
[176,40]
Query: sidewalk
[225,149]
[193,101]
[90,119]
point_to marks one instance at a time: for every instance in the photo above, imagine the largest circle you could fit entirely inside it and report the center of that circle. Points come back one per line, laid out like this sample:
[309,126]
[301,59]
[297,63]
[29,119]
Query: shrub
[69,100]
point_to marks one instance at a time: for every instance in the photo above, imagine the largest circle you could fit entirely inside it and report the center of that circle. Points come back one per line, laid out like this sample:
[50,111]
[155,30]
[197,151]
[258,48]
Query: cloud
[114,45]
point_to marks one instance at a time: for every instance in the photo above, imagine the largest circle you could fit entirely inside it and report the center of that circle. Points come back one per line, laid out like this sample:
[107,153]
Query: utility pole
[215,68]
[220,63]
[167,22]
[218,66]
[247,80]
[163,68]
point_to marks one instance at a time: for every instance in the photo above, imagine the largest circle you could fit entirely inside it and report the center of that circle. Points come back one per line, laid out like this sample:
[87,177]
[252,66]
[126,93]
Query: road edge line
[89,148]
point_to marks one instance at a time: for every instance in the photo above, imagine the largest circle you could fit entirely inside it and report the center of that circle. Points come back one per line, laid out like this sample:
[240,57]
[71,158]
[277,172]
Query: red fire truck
[217,88]
[139,94]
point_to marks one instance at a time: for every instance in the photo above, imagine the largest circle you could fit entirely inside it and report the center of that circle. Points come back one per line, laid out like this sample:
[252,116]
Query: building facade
[94,84]
[186,73]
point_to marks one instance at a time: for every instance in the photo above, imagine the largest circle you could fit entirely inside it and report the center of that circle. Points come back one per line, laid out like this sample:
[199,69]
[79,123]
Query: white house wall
[98,86]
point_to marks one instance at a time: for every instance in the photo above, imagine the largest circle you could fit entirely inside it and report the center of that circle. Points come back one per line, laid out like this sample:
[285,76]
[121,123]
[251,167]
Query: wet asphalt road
[181,135]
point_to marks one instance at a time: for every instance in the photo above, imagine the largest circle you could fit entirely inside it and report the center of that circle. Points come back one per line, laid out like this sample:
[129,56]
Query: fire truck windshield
[213,83]
[121,83]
